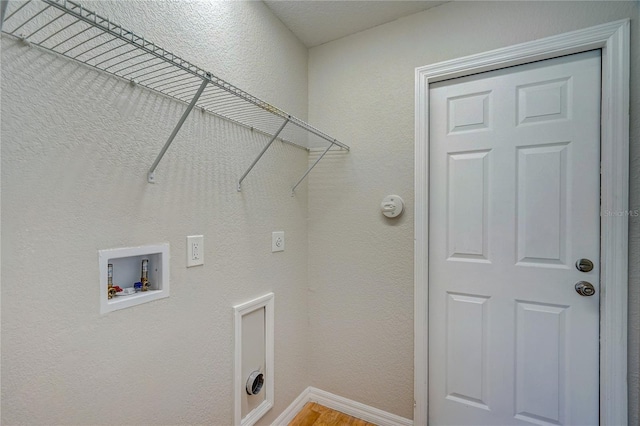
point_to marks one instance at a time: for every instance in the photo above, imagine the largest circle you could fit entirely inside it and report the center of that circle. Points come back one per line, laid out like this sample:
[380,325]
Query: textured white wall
[361,265]
[76,145]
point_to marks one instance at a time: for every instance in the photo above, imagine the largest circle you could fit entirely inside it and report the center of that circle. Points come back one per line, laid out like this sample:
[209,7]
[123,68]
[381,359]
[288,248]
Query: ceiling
[316,22]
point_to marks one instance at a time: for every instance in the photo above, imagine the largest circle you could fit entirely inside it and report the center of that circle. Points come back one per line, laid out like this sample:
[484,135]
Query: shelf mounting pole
[293,190]
[262,153]
[151,174]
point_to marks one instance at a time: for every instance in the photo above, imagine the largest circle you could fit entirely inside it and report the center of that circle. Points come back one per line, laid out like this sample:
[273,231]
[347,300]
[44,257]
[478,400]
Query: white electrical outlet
[195,250]
[277,241]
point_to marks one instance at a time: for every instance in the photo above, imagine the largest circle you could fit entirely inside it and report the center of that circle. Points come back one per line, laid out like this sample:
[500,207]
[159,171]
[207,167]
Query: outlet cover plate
[277,241]
[195,250]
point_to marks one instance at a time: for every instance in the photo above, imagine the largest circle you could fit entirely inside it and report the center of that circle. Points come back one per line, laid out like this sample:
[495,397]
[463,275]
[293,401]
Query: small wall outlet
[277,241]
[195,250]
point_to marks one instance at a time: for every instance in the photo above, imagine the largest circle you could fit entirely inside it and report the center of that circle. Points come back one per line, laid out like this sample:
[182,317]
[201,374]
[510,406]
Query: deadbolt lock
[585,288]
[584,265]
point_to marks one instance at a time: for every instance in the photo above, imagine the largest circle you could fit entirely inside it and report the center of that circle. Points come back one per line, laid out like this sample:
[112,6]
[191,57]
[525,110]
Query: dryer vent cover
[255,382]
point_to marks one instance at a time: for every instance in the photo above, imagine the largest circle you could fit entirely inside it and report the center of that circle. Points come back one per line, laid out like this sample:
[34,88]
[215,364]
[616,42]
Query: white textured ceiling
[316,22]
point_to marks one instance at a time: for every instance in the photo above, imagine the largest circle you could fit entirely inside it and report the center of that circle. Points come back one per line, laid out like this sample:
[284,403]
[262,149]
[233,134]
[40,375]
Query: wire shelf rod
[251,99]
[133,64]
[177,86]
[121,33]
[41,42]
[215,90]
[239,109]
[268,126]
[102,53]
[111,58]
[319,133]
[231,106]
[262,122]
[255,130]
[114,57]
[217,95]
[239,113]
[138,64]
[44,26]
[6,3]
[79,44]
[213,104]
[185,93]
[151,82]
[254,123]
[228,110]
[211,100]
[223,95]
[149,72]
[209,105]
[91,49]
[181,88]
[225,102]
[186,96]
[167,76]
[276,111]
[29,20]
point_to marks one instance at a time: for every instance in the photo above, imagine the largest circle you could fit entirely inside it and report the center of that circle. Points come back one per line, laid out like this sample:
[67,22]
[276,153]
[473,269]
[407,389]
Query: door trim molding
[613,39]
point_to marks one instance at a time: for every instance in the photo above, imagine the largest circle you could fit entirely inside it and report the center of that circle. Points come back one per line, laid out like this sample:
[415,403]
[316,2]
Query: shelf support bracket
[151,174]
[293,190]
[275,136]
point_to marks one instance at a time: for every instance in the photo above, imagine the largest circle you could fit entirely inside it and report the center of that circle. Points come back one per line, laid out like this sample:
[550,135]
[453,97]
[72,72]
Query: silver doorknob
[584,265]
[585,288]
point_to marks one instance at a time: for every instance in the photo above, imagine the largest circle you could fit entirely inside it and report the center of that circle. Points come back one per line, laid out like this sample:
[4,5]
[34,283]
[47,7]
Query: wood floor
[314,414]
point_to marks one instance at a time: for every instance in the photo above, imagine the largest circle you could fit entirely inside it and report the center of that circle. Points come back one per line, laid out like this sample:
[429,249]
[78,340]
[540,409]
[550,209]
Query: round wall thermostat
[392,206]
[255,382]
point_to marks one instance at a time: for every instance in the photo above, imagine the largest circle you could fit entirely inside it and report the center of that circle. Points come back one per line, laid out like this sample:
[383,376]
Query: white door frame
[613,39]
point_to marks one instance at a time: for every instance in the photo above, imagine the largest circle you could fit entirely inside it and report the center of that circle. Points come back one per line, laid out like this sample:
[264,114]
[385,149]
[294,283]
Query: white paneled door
[514,202]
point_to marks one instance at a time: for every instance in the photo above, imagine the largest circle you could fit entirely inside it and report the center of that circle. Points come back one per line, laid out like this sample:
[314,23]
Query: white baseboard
[344,405]
[292,410]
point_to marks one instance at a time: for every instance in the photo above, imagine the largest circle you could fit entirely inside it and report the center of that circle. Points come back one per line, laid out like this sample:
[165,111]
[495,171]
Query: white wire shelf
[69,29]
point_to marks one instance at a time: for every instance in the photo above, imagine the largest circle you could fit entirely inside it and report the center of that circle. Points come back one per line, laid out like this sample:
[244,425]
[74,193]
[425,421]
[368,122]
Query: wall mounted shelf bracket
[293,190]
[151,175]
[275,136]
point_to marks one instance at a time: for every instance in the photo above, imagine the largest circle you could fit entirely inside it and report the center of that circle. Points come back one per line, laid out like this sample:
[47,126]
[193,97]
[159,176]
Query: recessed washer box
[127,270]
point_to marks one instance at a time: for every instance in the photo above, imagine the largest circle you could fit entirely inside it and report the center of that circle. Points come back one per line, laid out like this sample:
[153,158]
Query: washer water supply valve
[255,383]
[392,206]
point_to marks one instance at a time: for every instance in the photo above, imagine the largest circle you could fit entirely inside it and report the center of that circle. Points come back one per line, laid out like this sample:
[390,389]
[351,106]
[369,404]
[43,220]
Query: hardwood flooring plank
[314,414]
[306,417]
